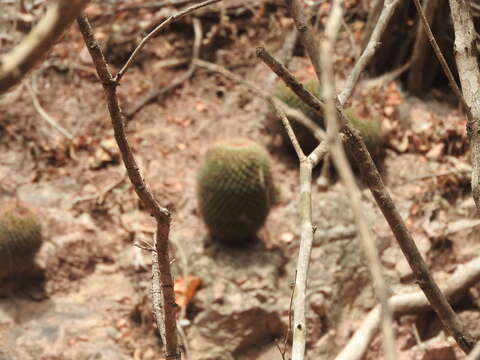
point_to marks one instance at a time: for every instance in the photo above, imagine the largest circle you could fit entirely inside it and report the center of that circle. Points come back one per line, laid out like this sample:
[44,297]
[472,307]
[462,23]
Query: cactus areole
[235,190]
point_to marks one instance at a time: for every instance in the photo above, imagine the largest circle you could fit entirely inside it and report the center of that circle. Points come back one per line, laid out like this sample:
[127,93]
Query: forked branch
[164,306]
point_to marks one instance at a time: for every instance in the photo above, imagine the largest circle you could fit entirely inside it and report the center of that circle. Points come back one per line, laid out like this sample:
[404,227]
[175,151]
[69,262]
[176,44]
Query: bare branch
[166,316]
[155,31]
[339,158]
[44,115]
[291,134]
[290,80]
[305,32]
[306,236]
[155,93]
[296,114]
[464,277]
[319,153]
[387,12]
[469,73]
[475,353]
[154,5]
[441,59]
[15,64]
[372,178]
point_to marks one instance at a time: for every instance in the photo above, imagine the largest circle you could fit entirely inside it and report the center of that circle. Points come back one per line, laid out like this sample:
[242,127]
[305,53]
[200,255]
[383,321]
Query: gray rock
[239,302]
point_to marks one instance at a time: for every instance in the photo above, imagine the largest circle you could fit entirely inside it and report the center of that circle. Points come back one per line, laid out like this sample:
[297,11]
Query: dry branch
[375,183]
[475,353]
[295,114]
[346,175]
[155,31]
[466,57]
[307,163]
[154,5]
[157,92]
[164,305]
[441,58]
[464,277]
[44,115]
[15,64]
[305,32]
[387,12]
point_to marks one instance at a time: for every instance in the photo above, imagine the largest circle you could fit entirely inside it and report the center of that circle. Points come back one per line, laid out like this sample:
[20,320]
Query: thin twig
[468,70]
[15,64]
[291,134]
[441,59]
[100,196]
[290,309]
[154,5]
[155,93]
[466,276]
[475,353]
[44,115]
[372,178]
[351,38]
[285,55]
[431,176]
[307,163]
[295,114]
[155,31]
[162,281]
[305,32]
[374,41]
[346,175]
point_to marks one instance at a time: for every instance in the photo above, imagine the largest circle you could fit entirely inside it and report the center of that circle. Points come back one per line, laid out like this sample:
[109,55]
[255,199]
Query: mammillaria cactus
[369,129]
[284,93]
[235,190]
[20,239]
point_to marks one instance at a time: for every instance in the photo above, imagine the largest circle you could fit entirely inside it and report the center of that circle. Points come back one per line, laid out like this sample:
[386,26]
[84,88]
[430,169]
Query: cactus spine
[20,239]
[235,190]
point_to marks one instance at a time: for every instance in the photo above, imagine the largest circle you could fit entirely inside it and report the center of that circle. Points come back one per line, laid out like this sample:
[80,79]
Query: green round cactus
[20,239]
[369,129]
[235,190]
[284,93]
[370,132]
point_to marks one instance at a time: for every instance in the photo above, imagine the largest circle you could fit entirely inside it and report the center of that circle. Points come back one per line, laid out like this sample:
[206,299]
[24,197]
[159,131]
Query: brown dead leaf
[435,152]
[185,290]
[393,97]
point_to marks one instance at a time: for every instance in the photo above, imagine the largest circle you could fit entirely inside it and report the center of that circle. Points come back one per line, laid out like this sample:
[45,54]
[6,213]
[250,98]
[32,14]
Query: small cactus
[235,190]
[284,93]
[368,129]
[20,239]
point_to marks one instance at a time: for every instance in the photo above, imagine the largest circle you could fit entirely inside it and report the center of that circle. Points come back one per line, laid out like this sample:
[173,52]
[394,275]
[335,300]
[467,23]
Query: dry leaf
[185,290]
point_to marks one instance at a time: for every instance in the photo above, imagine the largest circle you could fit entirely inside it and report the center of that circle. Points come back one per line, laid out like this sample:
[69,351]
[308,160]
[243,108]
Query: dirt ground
[88,299]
